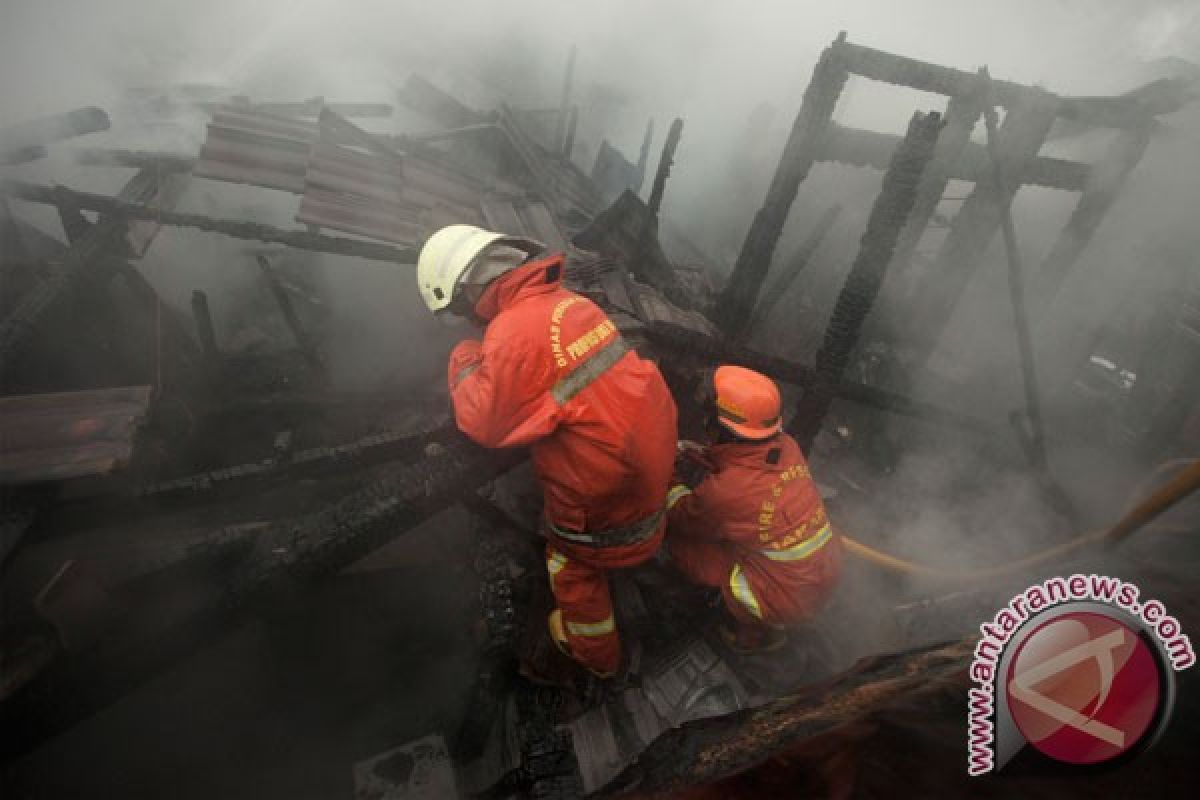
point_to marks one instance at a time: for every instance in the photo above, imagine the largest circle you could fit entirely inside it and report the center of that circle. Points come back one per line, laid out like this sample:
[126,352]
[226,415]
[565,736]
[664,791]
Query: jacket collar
[528,280]
[754,454]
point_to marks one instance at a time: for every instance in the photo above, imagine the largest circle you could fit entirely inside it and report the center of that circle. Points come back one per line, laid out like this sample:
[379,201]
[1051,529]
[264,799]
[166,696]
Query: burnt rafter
[816,137]
[121,209]
[255,572]
[799,154]
[717,351]
[854,303]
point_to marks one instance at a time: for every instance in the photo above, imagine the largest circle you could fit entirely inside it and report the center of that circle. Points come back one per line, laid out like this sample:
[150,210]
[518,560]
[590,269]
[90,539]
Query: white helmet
[448,254]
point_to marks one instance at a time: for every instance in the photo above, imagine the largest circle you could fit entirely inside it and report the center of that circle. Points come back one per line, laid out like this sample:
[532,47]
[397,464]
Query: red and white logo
[1084,687]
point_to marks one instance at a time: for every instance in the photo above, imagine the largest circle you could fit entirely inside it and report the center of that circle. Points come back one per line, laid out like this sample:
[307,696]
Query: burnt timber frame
[816,137]
[854,302]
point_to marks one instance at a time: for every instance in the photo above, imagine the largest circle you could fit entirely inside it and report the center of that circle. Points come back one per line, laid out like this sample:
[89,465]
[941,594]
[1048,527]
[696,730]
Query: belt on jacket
[633,533]
[570,385]
[804,549]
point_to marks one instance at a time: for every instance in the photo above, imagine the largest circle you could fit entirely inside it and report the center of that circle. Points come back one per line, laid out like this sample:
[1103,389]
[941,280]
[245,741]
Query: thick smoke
[735,74]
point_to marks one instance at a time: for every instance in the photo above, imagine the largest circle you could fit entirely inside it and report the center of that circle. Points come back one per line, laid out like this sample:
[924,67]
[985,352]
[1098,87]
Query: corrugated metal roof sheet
[346,188]
[258,149]
[53,437]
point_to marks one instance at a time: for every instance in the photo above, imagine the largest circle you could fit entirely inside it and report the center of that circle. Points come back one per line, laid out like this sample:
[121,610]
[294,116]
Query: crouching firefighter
[755,527]
[553,373]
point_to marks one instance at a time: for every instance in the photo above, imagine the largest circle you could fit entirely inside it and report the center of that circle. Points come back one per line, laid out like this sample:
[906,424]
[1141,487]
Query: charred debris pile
[122,416]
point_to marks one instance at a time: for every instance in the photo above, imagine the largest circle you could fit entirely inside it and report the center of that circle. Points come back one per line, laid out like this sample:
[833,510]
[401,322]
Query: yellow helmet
[447,255]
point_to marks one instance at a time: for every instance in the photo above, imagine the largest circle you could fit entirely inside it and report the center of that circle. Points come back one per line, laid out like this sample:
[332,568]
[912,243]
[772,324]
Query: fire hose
[1139,516]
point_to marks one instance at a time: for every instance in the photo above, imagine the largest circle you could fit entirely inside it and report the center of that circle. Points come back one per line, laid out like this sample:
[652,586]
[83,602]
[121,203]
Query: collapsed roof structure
[80,639]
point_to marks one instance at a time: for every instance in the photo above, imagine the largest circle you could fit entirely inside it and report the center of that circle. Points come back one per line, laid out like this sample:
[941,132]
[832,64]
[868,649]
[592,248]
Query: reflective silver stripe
[629,534]
[741,590]
[804,549]
[601,628]
[593,368]
[464,372]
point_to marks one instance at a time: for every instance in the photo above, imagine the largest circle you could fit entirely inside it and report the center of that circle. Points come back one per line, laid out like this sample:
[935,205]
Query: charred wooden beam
[794,266]
[137,159]
[1022,134]
[307,108]
[716,351]
[960,159]
[854,303]
[243,574]
[962,112]
[303,341]
[572,126]
[11,156]
[120,209]
[799,154]
[378,448]
[204,327]
[704,751]
[102,242]
[1106,179]
[1016,284]
[564,105]
[18,142]
[665,161]
[644,154]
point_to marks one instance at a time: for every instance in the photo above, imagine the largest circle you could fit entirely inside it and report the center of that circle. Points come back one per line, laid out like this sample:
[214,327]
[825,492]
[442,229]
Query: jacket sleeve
[499,389]
[696,514]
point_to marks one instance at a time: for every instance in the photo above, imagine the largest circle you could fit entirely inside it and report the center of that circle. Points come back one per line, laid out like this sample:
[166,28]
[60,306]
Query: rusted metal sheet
[359,215]
[527,219]
[257,149]
[54,437]
[351,180]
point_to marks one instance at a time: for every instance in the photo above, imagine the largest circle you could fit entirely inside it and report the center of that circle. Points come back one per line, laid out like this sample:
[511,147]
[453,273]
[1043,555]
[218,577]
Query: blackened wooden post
[564,107]
[887,219]
[792,269]
[572,125]
[303,342]
[802,149]
[644,154]
[962,113]
[204,327]
[664,165]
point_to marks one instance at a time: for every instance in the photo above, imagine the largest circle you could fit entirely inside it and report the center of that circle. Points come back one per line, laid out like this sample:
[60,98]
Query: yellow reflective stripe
[601,628]
[555,562]
[804,549]
[741,590]
[678,491]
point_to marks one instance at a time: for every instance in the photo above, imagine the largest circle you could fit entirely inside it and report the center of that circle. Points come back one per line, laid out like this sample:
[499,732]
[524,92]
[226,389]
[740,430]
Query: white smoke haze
[713,64]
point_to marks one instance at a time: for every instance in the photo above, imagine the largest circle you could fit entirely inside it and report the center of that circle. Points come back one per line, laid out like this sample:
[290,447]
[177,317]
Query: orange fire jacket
[604,457]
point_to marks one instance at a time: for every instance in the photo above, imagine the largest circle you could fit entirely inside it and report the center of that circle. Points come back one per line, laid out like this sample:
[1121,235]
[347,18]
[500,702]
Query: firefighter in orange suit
[756,527]
[552,373]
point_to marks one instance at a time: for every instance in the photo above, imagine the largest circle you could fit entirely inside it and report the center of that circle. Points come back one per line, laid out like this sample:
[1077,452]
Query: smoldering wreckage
[122,419]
